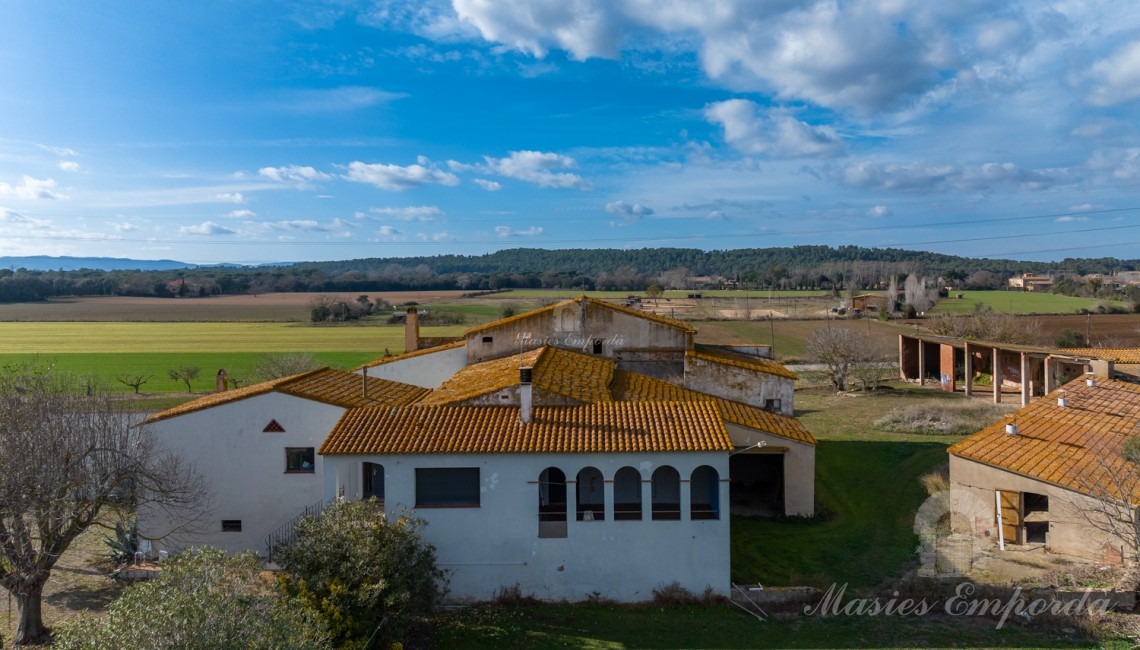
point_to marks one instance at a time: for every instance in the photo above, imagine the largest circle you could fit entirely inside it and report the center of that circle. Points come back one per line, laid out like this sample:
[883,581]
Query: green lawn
[1016,302]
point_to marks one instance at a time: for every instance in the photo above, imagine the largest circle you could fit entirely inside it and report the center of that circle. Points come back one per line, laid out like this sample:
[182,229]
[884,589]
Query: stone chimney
[526,395]
[412,330]
[222,381]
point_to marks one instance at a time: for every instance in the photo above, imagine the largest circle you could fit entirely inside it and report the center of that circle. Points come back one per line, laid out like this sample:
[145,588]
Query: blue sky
[248,131]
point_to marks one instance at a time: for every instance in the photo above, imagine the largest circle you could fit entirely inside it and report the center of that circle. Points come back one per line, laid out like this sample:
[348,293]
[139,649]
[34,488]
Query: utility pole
[1088,330]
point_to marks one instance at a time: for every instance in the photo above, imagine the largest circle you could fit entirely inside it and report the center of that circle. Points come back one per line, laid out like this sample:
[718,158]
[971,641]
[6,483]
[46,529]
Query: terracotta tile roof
[583,300]
[408,355]
[632,386]
[1072,447]
[714,355]
[593,428]
[1117,355]
[326,385]
[579,376]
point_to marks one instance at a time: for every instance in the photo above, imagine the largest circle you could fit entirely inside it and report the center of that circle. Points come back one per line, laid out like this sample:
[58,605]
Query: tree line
[796,267]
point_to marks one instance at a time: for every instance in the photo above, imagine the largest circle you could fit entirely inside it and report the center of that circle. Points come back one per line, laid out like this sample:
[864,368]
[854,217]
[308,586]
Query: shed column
[571,506]
[921,362]
[902,356]
[608,497]
[969,371]
[646,499]
[1048,375]
[997,375]
[1025,380]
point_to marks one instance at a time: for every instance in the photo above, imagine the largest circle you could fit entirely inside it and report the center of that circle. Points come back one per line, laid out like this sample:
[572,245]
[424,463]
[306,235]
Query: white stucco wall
[497,545]
[244,468]
[799,466]
[739,384]
[1069,531]
[427,370]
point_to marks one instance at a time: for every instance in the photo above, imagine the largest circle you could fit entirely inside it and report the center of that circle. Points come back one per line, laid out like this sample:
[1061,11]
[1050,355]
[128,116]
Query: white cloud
[125,227]
[395,177]
[442,236]
[410,213]
[929,177]
[31,189]
[1085,207]
[62,152]
[490,186]
[1116,79]
[336,100]
[1069,218]
[11,216]
[207,228]
[293,174]
[862,55]
[242,214]
[507,231]
[69,165]
[230,197]
[304,225]
[539,168]
[388,231]
[879,211]
[776,133]
[628,211]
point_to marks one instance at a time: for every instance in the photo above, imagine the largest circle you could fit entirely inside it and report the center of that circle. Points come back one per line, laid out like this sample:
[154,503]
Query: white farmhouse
[579,448]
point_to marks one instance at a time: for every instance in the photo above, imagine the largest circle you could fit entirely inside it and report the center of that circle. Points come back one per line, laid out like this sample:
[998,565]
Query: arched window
[666,493]
[591,495]
[627,495]
[372,484]
[704,493]
[552,503]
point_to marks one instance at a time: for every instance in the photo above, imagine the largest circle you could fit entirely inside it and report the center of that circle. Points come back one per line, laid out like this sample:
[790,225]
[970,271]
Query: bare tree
[874,365]
[134,381]
[1112,480]
[66,456]
[837,348]
[275,366]
[185,374]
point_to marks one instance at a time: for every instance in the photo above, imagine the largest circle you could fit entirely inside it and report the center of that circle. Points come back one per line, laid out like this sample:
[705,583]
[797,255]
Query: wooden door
[1011,516]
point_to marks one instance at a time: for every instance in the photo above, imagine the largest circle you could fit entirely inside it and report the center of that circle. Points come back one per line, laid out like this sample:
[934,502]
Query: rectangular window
[772,405]
[488,339]
[598,346]
[231,525]
[300,459]
[453,487]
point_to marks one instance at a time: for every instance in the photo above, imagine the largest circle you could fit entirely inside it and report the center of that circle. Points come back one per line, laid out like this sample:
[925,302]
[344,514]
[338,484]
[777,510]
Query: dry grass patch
[942,417]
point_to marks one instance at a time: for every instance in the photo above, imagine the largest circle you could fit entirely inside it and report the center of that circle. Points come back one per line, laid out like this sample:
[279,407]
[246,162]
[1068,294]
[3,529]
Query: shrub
[367,577]
[942,417]
[203,600]
[1070,339]
[122,547]
[937,480]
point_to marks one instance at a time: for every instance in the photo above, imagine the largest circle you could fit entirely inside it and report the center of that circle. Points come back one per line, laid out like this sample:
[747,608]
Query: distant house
[1041,473]
[1029,282]
[582,447]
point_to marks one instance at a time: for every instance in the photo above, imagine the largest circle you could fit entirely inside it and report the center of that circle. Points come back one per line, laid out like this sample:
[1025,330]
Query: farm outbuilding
[1030,371]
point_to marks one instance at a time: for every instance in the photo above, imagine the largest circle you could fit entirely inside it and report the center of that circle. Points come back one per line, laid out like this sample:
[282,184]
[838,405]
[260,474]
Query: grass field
[1016,302]
[106,350]
[562,294]
[790,335]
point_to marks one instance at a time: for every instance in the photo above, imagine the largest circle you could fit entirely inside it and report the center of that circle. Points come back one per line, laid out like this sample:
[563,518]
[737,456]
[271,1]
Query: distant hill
[49,263]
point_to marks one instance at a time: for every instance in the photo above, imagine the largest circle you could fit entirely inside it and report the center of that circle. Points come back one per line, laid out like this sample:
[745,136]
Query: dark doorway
[756,484]
[373,483]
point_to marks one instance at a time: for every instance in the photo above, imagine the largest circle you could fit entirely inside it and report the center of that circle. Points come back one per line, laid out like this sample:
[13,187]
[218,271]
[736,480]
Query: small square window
[231,525]
[300,459]
[772,405]
[488,339]
[597,346]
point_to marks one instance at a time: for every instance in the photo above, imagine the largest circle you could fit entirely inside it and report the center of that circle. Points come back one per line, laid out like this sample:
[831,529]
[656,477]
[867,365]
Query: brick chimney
[526,395]
[412,330]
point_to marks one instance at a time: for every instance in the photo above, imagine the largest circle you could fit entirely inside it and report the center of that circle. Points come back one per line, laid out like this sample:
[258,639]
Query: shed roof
[592,428]
[1117,355]
[632,386]
[326,385]
[1077,447]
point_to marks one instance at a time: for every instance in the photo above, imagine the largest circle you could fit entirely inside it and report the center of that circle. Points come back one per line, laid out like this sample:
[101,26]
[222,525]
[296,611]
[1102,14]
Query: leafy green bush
[1070,339]
[368,577]
[202,601]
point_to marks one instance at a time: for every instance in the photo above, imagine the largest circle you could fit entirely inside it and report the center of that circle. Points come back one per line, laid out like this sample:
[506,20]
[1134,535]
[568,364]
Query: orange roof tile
[408,355]
[583,300]
[579,376]
[326,385]
[1075,447]
[632,386]
[593,428]
[1117,355]
[715,355]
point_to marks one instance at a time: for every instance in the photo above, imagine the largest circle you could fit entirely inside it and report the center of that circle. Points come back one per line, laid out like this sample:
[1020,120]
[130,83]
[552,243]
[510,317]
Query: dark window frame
[448,487]
[309,453]
[231,525]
